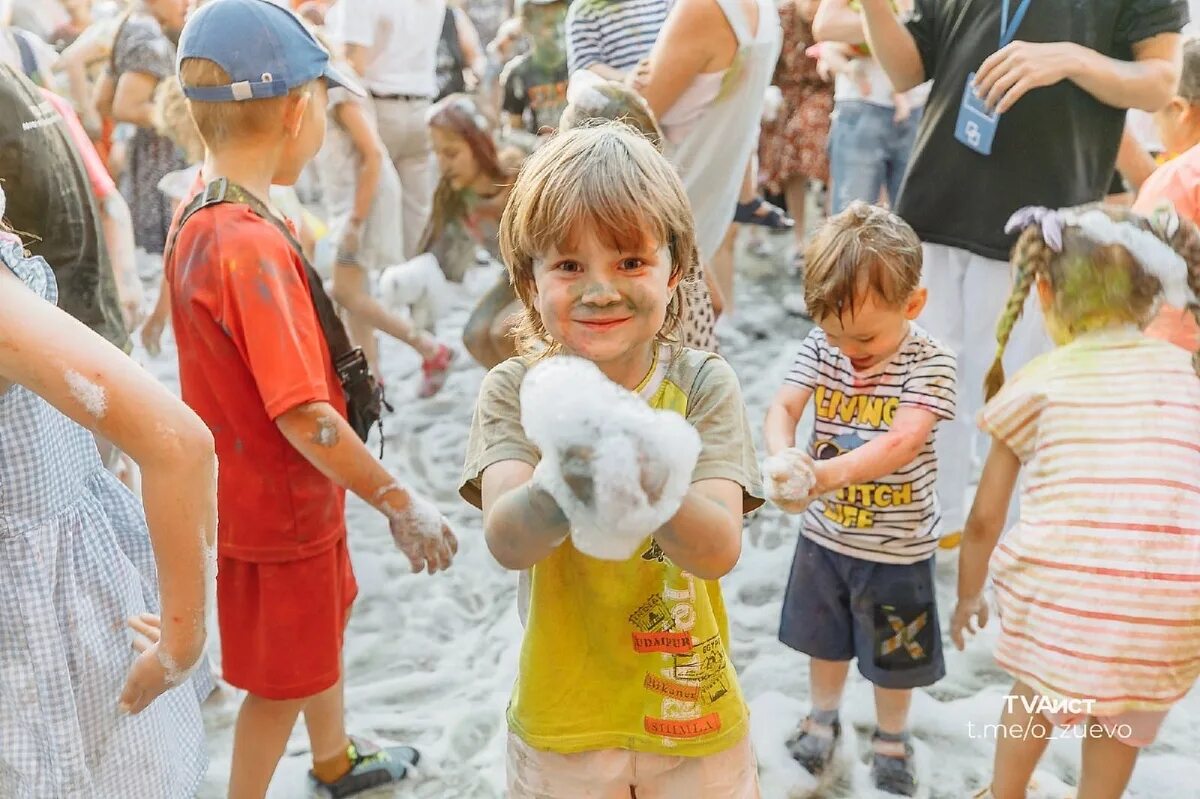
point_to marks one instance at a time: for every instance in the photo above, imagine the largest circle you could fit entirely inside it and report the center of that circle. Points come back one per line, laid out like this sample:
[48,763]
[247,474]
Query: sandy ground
[430,661]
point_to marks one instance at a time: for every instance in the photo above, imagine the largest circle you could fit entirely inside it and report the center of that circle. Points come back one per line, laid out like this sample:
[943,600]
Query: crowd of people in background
[278,183]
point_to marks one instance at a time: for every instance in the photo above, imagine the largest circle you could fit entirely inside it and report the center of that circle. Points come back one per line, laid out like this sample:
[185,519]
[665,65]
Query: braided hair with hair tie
[1031,257]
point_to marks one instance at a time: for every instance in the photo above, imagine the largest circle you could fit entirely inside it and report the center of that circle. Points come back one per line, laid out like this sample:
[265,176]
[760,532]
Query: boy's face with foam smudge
[603,303]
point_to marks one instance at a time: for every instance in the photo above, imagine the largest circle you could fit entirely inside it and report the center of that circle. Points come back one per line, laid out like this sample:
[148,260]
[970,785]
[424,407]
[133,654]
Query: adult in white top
[393,45]
[706,80]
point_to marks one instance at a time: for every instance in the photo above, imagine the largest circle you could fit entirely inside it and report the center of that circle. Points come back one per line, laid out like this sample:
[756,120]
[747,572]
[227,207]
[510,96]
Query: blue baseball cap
[265,48]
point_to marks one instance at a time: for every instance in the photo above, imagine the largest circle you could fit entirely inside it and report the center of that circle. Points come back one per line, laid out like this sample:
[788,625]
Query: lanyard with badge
[976,126]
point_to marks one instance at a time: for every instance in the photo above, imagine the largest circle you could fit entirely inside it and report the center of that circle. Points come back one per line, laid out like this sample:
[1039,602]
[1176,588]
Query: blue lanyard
[1008,27]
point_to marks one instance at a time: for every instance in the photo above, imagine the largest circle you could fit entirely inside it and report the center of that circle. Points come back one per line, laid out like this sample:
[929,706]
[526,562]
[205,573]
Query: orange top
[1176,182]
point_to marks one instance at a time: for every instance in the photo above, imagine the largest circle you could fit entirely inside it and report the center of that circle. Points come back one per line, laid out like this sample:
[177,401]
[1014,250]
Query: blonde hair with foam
[1094,285]
[609,180]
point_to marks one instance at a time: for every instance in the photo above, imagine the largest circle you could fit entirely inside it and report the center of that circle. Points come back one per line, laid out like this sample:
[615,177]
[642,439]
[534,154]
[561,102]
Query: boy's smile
[604,303]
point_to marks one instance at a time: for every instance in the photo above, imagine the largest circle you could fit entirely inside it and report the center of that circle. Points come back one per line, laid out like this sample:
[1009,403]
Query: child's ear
[916,303]
[675,279]
[1186,112]
[293,116]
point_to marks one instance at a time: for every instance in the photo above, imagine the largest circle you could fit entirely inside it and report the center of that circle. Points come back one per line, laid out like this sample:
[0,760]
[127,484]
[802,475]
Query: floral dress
[75,563]
[795,145]
[142,47]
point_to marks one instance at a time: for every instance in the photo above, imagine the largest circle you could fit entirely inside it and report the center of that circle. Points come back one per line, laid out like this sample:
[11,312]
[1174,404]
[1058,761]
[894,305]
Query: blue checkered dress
[75,562]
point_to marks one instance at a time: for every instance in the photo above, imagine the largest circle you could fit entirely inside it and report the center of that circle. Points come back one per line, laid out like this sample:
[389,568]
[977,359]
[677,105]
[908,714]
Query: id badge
[976,126]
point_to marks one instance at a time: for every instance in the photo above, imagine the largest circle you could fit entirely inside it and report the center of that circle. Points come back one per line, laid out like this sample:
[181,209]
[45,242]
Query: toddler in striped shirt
[1098,584]
[862,583]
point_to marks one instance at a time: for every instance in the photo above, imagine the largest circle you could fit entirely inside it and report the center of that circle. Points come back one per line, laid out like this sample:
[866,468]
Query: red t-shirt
[250,350]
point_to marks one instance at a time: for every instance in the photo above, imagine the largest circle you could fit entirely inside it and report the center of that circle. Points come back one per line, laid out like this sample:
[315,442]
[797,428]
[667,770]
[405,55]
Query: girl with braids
[1096,585]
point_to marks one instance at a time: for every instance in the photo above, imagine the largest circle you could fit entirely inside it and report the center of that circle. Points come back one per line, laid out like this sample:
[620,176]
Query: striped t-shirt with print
[616,33]
[894,519]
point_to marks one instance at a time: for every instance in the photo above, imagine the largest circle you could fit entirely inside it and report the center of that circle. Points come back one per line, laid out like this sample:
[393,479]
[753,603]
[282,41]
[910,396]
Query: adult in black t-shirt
[1063,85]
[50,205]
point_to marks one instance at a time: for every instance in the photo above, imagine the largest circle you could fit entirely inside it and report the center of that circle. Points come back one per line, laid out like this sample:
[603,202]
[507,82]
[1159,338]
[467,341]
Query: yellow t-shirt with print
[633,654]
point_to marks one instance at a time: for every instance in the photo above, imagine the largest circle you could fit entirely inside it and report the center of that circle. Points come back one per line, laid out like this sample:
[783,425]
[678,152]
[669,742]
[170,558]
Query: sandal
[760,212]
[892,764]
[815,745]
[371,767]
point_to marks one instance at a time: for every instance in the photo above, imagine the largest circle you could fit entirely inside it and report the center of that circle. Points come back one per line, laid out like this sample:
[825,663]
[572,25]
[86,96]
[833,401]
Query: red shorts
[282,623]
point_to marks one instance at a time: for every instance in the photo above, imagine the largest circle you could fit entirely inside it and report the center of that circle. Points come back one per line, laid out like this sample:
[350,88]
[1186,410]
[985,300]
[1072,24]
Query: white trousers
[406,136]
[967,294]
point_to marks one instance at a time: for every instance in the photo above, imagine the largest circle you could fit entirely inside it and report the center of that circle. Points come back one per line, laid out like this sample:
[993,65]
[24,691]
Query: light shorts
[612,773]
[1136,728]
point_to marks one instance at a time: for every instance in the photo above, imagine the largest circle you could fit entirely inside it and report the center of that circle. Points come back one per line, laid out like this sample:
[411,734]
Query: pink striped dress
[1098,585]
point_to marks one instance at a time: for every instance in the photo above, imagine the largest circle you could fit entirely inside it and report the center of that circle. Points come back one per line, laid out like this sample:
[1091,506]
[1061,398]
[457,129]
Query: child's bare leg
[363,334]
[261,734]
[350,290]
[891,709]
[1107,764]
[502,328]
[827,681]
[815,745]
[325,719]
[479,335]
[1018,755]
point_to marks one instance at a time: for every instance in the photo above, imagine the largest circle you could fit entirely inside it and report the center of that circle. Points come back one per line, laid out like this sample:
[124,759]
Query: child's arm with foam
[521,521]
[705,534]
[96,385]
[779,431]
[984,526]
[326,440]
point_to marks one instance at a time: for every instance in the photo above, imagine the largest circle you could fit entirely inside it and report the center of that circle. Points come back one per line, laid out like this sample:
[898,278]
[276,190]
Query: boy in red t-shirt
[255,365]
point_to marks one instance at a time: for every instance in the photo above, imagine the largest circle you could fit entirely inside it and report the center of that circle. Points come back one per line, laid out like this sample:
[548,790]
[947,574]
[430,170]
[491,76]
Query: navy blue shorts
[840,608]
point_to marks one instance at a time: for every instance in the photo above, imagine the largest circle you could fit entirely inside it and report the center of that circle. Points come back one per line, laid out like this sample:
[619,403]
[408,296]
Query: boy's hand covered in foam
[790,479]
[618,469]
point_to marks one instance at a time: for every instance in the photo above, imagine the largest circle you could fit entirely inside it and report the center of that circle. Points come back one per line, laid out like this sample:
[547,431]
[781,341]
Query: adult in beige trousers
[393,46]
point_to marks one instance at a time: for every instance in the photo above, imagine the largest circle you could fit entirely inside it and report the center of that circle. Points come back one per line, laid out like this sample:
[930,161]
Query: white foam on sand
[430,661]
